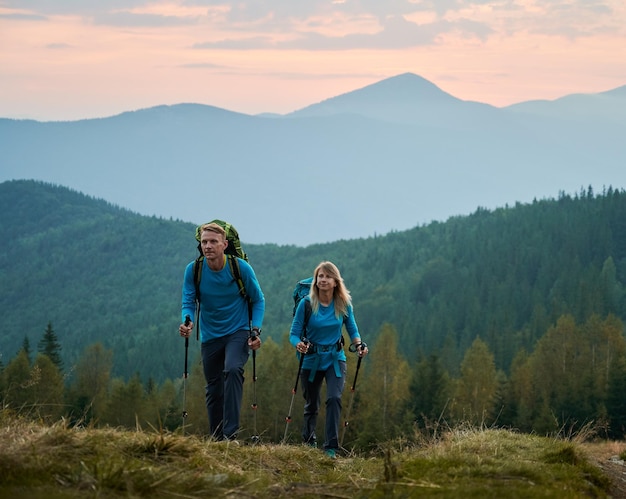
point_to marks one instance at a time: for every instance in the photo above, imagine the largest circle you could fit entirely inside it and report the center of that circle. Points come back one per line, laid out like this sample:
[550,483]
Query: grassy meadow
[61,462]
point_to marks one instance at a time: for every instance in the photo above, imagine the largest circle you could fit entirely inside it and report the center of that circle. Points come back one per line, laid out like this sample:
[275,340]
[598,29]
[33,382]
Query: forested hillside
[101,273]
[521,288]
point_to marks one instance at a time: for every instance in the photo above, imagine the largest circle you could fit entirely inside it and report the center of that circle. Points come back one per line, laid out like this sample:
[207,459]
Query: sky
[79,59]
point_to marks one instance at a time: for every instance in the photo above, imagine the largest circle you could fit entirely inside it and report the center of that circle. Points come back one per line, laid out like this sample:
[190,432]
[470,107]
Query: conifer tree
[167,405]
[18,382]
[50,346]
[47,394]
[380,412]
[430,392]
[616,403]
[477,387]
[577,360]
[522,403]
[89,389]
[126,404]
[26,348]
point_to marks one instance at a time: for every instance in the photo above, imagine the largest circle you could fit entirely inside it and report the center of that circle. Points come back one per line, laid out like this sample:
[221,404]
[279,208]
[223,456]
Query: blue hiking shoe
[331,453]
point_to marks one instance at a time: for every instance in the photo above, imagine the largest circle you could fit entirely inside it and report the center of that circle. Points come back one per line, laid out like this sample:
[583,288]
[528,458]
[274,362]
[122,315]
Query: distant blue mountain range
[389,156]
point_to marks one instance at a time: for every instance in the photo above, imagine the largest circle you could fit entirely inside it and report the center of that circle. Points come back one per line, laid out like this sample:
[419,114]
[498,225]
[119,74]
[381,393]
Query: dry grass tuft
[62,462]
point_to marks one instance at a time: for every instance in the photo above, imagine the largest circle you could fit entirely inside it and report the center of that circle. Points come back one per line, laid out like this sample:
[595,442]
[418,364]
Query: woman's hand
[360,347]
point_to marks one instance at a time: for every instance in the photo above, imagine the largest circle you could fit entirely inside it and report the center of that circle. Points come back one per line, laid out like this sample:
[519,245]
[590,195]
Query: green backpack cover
[234,244]
[233,251]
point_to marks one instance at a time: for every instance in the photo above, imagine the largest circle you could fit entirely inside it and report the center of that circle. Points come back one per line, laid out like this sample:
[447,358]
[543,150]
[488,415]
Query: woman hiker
[316,332]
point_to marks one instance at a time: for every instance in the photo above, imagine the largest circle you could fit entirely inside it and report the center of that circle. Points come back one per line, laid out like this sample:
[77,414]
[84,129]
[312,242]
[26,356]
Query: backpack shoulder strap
[197,275]
[233,263]
[307,314]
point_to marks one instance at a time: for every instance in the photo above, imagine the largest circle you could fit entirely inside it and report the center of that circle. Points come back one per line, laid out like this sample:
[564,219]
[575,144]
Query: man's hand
[185,329]
[254,340]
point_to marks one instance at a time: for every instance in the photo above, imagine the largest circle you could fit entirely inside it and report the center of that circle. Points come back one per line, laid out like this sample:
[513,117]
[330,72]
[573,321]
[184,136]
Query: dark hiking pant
[311,391]
[223,361]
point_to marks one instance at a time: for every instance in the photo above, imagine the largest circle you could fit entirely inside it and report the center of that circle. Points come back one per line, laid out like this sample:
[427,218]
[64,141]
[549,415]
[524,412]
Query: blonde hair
[341,295]
[213,227]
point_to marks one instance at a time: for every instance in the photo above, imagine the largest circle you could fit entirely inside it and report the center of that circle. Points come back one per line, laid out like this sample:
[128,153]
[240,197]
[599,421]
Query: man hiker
[230,325]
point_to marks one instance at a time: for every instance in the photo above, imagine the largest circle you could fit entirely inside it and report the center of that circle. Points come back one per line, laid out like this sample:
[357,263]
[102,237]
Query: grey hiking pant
[311,390]
[223,361]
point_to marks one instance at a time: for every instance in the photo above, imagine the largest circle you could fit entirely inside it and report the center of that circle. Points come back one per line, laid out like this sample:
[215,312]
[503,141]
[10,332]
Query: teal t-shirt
[324,331]
[223,310]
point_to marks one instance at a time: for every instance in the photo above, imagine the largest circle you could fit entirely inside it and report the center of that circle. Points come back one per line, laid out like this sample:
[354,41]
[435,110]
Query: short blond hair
[213,227]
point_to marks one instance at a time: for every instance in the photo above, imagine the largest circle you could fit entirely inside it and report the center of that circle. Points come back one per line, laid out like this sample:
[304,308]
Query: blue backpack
[301,291]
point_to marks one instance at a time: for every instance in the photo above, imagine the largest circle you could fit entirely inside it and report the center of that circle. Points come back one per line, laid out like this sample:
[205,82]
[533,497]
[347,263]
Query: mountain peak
[385,99]
[403,99]
[409,85]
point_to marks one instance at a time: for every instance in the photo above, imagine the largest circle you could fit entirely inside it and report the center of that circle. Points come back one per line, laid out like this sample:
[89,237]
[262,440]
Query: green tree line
[575,376]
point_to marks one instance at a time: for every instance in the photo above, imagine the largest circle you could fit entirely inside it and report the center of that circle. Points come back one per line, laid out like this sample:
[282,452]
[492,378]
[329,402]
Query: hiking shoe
[331,453]
[232,441]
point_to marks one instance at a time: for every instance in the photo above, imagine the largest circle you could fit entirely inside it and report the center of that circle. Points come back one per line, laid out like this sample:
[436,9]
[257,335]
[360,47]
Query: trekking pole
[255,437]
[352,348]
[294,390]
[185,375]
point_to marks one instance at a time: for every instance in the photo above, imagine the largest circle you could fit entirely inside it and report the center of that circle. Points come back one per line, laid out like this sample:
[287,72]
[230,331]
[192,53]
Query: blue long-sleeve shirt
[223,310]
[324,331]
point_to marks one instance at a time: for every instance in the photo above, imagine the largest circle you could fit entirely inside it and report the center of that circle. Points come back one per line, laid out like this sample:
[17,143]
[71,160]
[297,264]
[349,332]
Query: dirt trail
[606,456]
